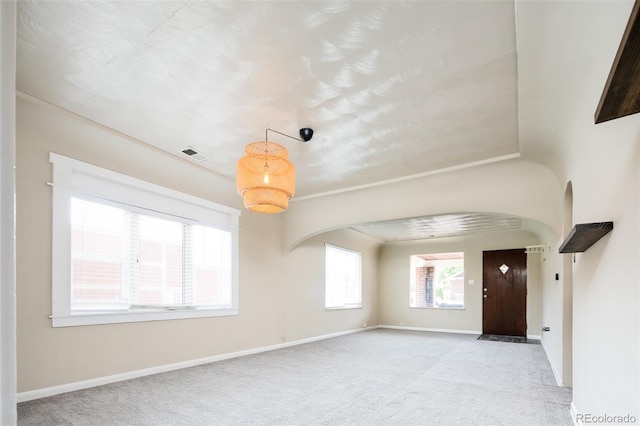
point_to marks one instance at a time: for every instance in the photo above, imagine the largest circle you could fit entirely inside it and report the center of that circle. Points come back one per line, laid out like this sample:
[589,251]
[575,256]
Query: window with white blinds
[343,278]
[127,250]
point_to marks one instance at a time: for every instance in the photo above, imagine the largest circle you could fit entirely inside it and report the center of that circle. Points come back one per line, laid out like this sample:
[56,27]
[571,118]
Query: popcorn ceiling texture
[413,86]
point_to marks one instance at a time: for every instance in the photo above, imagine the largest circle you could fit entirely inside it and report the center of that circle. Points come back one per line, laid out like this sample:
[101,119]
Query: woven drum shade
[266,179]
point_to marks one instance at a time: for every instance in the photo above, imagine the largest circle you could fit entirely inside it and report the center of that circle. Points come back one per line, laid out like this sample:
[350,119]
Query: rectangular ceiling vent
[195,155]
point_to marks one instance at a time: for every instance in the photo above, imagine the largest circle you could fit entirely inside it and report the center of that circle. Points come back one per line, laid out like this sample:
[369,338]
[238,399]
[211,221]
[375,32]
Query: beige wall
[517,187]
[553,309]
[305,284]
[8,413]
[394,282]
[281,298]
[565,54]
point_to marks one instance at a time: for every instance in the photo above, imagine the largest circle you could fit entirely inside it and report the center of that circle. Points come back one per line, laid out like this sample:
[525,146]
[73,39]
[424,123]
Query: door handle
[485,296]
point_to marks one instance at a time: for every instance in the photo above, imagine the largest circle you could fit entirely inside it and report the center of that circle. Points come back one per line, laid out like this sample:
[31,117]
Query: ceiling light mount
[305,134]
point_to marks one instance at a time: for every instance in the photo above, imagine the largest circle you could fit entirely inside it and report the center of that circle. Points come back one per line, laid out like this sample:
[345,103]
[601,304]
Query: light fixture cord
[266,152]
[266,145]
[280,133]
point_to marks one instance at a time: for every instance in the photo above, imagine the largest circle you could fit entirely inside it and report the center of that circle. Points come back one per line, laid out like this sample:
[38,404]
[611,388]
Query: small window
[343,276]
[126,250]
[437,281]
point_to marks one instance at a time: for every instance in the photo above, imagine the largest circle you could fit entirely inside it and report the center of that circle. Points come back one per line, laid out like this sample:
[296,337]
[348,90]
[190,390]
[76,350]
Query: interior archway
[567,293]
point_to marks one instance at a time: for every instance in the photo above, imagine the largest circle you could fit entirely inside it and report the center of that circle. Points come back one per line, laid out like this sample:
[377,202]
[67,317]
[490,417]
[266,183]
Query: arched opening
[567,292]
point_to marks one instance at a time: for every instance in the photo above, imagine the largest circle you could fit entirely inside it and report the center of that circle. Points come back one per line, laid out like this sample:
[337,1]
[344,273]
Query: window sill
[338,308]
[138,316]
[449,308]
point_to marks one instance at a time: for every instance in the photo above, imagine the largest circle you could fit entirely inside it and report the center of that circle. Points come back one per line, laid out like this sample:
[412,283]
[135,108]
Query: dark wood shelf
[621,94]
[584,235]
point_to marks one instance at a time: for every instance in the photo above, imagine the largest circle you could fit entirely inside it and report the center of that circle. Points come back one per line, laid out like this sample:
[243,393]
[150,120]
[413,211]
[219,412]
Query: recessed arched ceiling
[439,226]
[392,89]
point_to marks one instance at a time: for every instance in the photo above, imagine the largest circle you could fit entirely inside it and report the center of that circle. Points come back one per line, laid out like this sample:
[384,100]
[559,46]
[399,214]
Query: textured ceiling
[439,226]
[392,89]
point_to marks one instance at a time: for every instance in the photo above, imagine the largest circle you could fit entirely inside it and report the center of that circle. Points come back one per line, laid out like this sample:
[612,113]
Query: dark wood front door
[504,280]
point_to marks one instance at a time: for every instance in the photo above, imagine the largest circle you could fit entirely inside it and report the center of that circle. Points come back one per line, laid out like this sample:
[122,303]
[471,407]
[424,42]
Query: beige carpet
[378,377]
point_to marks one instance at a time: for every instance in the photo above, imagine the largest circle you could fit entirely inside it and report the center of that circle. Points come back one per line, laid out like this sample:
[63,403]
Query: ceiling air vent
[195,155]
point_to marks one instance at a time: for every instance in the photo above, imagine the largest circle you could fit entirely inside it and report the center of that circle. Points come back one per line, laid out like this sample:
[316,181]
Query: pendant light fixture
[266,179]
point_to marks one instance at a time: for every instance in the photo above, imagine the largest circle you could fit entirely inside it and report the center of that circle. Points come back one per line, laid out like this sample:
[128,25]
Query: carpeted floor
[378,377]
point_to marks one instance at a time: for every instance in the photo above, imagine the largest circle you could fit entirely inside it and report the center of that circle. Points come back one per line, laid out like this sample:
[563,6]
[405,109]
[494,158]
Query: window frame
[75,178]
[357,305]
[412,279]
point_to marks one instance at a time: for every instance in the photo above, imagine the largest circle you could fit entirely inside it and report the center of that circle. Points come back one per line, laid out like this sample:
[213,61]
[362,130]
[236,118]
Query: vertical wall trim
[8,414]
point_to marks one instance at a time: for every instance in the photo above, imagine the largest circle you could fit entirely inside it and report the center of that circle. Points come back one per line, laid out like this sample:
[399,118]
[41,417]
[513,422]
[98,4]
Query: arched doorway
[567,293]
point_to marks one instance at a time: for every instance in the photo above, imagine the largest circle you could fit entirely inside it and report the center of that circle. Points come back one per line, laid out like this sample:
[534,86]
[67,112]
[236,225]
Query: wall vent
[194,155]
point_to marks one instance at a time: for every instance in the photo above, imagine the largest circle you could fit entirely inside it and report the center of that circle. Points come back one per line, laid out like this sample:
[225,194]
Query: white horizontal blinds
[124,259]
[99,256]
[343,278]
[211,258]
[159,278]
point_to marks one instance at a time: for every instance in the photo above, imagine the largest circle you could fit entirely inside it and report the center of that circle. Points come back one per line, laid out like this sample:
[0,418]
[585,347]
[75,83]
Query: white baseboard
[85,384]
[557,375]
[534,337]
[437,330]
